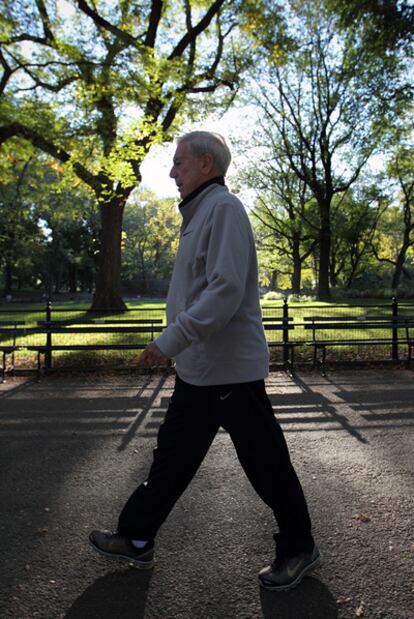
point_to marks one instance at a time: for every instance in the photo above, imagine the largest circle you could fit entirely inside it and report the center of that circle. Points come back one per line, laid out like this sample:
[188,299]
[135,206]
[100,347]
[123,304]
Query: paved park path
[72,447]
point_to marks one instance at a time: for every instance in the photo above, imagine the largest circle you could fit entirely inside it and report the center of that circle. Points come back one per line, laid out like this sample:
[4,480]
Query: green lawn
[70,311]
[31,314]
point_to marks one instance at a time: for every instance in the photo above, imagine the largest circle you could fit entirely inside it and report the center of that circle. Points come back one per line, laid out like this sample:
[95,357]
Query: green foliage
[383,25]
[265,25]
[20,237]
[49,228]
[151,233]
[355,218]
[95,85]
[326,110]
[102,87]
[71,227]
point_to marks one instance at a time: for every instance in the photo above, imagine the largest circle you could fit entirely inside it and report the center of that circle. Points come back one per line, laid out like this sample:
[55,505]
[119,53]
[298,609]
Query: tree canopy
[328,104]
[87,87]
[94,85]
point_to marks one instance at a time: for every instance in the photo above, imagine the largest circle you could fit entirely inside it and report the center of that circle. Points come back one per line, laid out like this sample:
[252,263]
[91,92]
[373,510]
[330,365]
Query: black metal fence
[278,331]
[297,314]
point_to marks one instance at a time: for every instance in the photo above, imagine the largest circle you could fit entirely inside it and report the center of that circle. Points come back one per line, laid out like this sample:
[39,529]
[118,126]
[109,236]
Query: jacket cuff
[171,342]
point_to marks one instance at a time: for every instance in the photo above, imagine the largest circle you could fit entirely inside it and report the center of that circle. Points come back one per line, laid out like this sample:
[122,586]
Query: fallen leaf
[362,517]
[360,611]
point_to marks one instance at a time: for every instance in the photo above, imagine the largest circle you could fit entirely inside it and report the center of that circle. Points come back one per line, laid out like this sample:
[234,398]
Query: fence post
[394,329]
[285,332]
[48,353]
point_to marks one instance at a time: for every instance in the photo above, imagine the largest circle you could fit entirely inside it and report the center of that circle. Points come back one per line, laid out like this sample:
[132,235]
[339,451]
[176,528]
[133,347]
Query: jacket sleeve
[227,262]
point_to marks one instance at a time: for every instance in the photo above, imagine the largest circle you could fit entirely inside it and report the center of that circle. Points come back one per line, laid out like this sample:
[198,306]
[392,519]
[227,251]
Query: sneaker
[287,572]
[119,547]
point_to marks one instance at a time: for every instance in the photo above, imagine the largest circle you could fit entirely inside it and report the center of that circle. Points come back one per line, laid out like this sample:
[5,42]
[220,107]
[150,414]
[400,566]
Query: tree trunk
[73,277]
[57,281]
[324,292]
[297,266]
[352,273]
[399,266]
[273,279]
[8,278]
[333,276]
[406,242]
[107,297]
[144,278]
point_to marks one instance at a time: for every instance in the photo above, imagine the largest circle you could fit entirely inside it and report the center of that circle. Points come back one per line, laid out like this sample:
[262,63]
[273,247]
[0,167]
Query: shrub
[405,291]
[301,298]
[273,296]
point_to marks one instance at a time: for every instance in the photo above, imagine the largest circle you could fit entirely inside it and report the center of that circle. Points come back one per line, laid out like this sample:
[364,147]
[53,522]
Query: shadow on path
[118,594]
[311,600]
[133,427]
[10,392]
[312,408]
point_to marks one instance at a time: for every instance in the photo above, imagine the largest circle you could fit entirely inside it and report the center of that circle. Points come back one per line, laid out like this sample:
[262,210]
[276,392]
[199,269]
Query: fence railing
[287,328]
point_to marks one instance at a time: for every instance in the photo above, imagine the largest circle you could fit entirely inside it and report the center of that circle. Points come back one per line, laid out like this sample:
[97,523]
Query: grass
[72,311]
[75,310]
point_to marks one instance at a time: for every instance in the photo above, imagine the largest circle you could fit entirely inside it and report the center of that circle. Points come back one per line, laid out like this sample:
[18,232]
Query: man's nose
[173,173]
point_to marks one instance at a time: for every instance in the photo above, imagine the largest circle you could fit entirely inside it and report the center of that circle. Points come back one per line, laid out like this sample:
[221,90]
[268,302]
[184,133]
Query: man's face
[189,172]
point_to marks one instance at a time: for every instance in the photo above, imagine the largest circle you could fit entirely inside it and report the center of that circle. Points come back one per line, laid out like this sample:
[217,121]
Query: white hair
[202,142]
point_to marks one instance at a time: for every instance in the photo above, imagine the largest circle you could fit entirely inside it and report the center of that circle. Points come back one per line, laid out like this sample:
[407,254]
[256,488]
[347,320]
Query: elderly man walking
[215,335]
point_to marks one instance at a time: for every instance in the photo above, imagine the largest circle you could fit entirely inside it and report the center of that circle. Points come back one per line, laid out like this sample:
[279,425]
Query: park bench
[93,326]
[150,326]
[284,324]
[361,325]
[10,330]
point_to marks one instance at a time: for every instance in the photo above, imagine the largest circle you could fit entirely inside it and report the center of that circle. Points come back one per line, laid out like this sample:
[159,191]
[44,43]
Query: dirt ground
[73,447]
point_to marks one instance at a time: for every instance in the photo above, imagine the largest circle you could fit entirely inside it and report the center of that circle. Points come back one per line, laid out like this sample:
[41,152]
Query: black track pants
[192,420]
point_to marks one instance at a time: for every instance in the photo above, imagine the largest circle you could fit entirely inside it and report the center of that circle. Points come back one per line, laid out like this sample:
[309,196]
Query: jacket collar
[218,180]
[190,203]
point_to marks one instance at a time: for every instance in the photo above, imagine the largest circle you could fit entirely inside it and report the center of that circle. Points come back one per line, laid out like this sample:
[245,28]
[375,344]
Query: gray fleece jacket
[214,328]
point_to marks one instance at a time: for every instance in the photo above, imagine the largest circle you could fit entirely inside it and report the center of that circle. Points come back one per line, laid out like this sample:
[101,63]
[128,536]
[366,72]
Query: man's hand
[152,356]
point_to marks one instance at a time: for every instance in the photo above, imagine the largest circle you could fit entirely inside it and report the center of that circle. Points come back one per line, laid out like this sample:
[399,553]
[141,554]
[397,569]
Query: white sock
[138,543]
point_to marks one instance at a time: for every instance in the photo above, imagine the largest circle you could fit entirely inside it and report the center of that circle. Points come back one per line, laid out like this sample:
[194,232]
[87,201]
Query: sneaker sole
[272,587]
[136,563]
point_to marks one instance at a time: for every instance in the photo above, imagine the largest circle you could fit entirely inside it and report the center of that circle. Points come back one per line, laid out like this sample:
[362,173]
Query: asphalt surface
[73,447]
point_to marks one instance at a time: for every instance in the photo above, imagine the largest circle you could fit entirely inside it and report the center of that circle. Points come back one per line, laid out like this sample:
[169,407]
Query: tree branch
[18,130]
[51,87]
[101,22]
[375,252]
[192,34]
[28,37]
[45,20]
[170,116]
[193,47]
[210,88]
[7,73]
[154,20]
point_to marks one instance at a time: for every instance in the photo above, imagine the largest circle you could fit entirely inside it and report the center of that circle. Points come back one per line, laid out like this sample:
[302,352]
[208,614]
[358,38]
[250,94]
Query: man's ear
[208,164]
